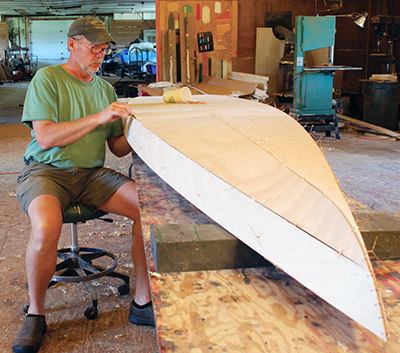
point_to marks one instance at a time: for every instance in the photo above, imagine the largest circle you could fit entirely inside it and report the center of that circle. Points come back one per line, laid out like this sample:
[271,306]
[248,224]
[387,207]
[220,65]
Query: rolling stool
[78,263]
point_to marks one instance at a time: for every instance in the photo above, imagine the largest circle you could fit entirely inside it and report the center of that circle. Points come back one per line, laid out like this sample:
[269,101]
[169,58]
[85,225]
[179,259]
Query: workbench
[252,309]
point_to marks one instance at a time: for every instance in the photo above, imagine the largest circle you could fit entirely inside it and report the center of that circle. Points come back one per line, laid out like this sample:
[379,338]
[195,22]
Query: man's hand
[115,111]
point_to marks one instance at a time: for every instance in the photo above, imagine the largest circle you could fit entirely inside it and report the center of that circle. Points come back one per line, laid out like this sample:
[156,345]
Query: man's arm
[50,134]
[119,145]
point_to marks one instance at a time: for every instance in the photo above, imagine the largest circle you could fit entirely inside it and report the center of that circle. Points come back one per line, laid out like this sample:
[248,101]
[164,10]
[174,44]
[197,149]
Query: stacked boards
[3,39]
[259,174]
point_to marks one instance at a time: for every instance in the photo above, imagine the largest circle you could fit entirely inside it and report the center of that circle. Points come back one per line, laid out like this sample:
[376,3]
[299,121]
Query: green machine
[313,86]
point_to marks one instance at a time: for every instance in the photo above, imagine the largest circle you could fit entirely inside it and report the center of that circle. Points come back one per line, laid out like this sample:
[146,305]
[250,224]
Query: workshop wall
[196,39]
[351,45]
[395,11]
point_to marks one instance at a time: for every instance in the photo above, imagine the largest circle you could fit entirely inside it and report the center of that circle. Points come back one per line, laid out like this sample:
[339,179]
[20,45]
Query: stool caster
[91,311]
[123,289]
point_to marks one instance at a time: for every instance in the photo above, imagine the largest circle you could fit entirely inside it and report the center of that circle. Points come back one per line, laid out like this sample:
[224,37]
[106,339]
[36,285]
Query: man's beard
[89,70]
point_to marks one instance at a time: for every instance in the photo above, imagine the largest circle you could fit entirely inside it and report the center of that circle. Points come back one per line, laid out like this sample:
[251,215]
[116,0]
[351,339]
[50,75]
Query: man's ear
[71,44]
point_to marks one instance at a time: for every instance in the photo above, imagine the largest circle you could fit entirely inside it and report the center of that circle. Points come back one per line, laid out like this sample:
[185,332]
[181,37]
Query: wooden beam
[369,126]
[262,81]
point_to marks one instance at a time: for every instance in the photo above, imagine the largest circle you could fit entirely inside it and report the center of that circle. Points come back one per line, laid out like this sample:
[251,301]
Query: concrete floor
[367,169]
[12,101]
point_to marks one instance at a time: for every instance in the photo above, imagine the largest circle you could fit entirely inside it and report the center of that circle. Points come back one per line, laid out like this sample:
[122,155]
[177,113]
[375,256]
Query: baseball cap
[93,29]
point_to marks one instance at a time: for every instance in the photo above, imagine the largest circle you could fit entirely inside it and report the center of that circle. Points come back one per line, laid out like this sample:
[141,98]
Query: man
[72,113]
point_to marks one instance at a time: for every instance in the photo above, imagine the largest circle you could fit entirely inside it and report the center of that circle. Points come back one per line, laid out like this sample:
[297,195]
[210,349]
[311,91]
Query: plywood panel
[3,38]
[257,172]
[215,22]
[269,50]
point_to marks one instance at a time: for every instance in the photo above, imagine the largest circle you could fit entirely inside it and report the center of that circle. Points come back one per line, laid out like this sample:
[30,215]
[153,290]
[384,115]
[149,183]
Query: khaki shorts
[89,186]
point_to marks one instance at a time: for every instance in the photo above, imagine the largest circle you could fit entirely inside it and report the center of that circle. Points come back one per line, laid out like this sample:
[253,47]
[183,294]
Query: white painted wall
[48,40]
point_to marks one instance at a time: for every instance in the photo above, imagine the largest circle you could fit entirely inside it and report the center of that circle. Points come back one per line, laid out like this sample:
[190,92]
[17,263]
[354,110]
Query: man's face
[88,61]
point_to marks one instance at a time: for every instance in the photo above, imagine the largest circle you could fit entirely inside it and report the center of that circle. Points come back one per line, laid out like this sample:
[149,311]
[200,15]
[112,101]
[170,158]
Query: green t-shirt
[55,95]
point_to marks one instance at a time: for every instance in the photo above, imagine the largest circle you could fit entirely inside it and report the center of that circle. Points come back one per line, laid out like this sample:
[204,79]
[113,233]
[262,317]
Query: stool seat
[76,212]
[84,264]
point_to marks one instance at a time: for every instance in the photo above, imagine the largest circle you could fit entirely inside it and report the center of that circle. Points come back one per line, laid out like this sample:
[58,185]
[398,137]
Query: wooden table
[253,309]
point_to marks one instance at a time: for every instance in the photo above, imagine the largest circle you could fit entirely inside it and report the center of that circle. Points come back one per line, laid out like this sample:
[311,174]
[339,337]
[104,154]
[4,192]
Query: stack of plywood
[4,74]
[3,39]
[261,81]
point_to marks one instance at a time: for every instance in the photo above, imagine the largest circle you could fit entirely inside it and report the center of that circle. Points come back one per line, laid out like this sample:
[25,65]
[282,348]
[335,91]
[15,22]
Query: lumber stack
[261,81]
[4,74]
[3,38]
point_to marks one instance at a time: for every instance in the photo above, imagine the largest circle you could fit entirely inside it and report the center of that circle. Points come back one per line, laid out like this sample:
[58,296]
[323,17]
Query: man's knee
[124,201]
[46,218]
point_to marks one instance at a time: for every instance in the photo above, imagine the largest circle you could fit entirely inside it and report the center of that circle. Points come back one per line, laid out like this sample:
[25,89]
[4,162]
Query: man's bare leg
[125,202]
[41,255]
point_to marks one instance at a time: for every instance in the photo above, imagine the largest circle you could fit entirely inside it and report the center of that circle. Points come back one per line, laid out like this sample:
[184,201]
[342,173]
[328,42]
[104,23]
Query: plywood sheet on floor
[244,310]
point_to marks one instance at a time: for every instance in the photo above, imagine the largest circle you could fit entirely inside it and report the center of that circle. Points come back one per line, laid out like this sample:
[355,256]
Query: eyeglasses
[96,49]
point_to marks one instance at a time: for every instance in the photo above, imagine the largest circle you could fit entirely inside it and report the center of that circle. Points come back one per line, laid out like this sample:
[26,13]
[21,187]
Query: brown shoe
[30,336]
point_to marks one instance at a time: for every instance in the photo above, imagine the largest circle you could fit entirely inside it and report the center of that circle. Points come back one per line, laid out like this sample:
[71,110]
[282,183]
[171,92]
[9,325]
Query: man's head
[93,29]
[88,41]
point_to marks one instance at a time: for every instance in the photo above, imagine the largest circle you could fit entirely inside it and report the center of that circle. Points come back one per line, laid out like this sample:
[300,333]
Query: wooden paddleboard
[259,174]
